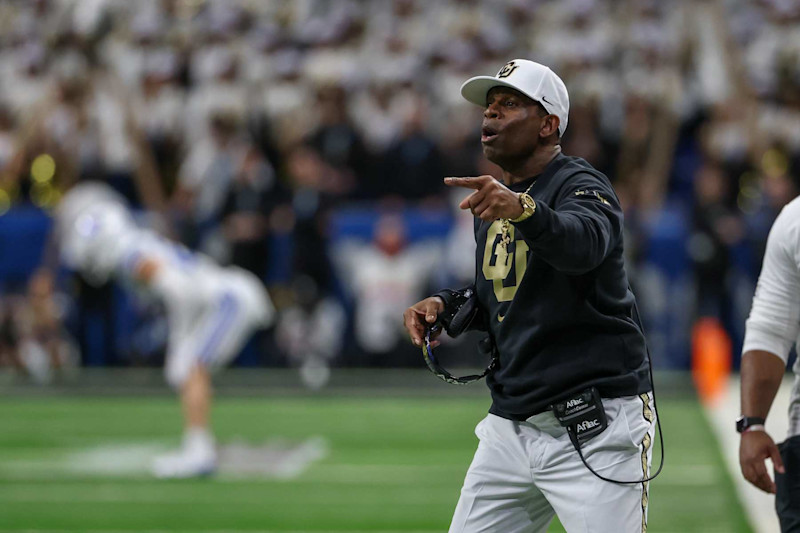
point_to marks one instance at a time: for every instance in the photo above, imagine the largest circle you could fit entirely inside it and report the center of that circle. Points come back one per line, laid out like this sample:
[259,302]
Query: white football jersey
[211,310]
[99,237]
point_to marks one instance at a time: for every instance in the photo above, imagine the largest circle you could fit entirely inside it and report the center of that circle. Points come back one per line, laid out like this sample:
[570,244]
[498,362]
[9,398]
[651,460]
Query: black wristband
[744,422]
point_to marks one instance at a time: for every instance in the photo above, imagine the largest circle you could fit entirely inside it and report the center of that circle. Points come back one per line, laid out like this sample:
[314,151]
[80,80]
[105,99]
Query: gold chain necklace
[505,225]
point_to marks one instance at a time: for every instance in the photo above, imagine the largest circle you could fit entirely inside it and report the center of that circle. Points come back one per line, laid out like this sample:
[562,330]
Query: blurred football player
[211,311]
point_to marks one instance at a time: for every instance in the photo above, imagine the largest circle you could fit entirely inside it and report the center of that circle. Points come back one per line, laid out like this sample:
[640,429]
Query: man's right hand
[420,316]
[755,448]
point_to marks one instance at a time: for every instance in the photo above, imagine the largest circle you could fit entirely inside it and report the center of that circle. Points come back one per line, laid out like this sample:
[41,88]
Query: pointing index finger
[468,183]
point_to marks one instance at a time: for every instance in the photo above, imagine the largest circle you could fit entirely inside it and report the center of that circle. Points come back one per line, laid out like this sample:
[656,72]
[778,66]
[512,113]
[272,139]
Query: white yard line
[276,459]
[224,531]
[759,506]
[713,530]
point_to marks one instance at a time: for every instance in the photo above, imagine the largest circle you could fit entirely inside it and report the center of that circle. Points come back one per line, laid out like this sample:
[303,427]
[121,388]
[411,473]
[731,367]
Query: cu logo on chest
[504,268]
[507,69]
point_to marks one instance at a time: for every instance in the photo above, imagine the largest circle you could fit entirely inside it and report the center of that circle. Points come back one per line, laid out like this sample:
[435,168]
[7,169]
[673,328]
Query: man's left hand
[755,448]
[490,199]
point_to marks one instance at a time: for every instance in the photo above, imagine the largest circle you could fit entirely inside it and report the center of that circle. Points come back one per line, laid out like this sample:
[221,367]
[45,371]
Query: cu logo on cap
[507,70]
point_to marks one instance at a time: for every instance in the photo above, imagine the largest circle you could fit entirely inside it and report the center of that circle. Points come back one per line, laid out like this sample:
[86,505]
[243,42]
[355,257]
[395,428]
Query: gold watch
[528,207]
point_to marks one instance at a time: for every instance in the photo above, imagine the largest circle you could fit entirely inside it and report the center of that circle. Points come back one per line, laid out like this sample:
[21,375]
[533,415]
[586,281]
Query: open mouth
[488,134]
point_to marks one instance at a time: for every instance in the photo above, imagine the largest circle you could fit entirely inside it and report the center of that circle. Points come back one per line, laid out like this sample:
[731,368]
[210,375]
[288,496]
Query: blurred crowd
[245,128]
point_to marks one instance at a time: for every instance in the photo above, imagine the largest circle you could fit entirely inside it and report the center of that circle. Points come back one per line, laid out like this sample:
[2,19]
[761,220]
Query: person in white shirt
[772,329]
[211,310]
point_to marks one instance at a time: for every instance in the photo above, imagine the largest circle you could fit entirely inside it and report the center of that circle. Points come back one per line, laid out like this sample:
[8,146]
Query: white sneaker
[185,464]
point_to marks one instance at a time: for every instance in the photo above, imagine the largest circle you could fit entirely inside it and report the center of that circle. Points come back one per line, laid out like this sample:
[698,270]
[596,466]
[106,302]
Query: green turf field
[393,464]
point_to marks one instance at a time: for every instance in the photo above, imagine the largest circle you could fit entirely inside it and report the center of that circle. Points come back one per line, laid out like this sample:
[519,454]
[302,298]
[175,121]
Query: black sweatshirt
[559,308]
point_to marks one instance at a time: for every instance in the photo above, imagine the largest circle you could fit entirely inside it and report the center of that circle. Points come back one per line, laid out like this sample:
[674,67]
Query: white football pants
[211,330]
[526,472]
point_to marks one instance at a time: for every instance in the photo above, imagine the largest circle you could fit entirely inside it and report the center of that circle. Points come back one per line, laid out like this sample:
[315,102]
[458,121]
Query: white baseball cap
[532,79]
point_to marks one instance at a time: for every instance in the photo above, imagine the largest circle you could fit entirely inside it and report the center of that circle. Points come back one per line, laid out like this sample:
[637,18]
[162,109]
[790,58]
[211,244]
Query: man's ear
[549,126]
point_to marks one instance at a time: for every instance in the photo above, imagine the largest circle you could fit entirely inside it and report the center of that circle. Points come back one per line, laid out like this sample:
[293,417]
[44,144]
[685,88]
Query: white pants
[524,473]
[211,328]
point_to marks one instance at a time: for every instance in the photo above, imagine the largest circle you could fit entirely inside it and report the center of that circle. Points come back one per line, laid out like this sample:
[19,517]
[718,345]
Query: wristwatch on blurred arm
[744,423]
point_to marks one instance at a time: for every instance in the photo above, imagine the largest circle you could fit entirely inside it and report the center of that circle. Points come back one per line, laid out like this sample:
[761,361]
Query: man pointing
[553,296]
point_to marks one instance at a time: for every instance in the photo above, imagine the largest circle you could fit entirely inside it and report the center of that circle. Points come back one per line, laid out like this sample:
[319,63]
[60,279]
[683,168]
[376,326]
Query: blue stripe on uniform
[227,309]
